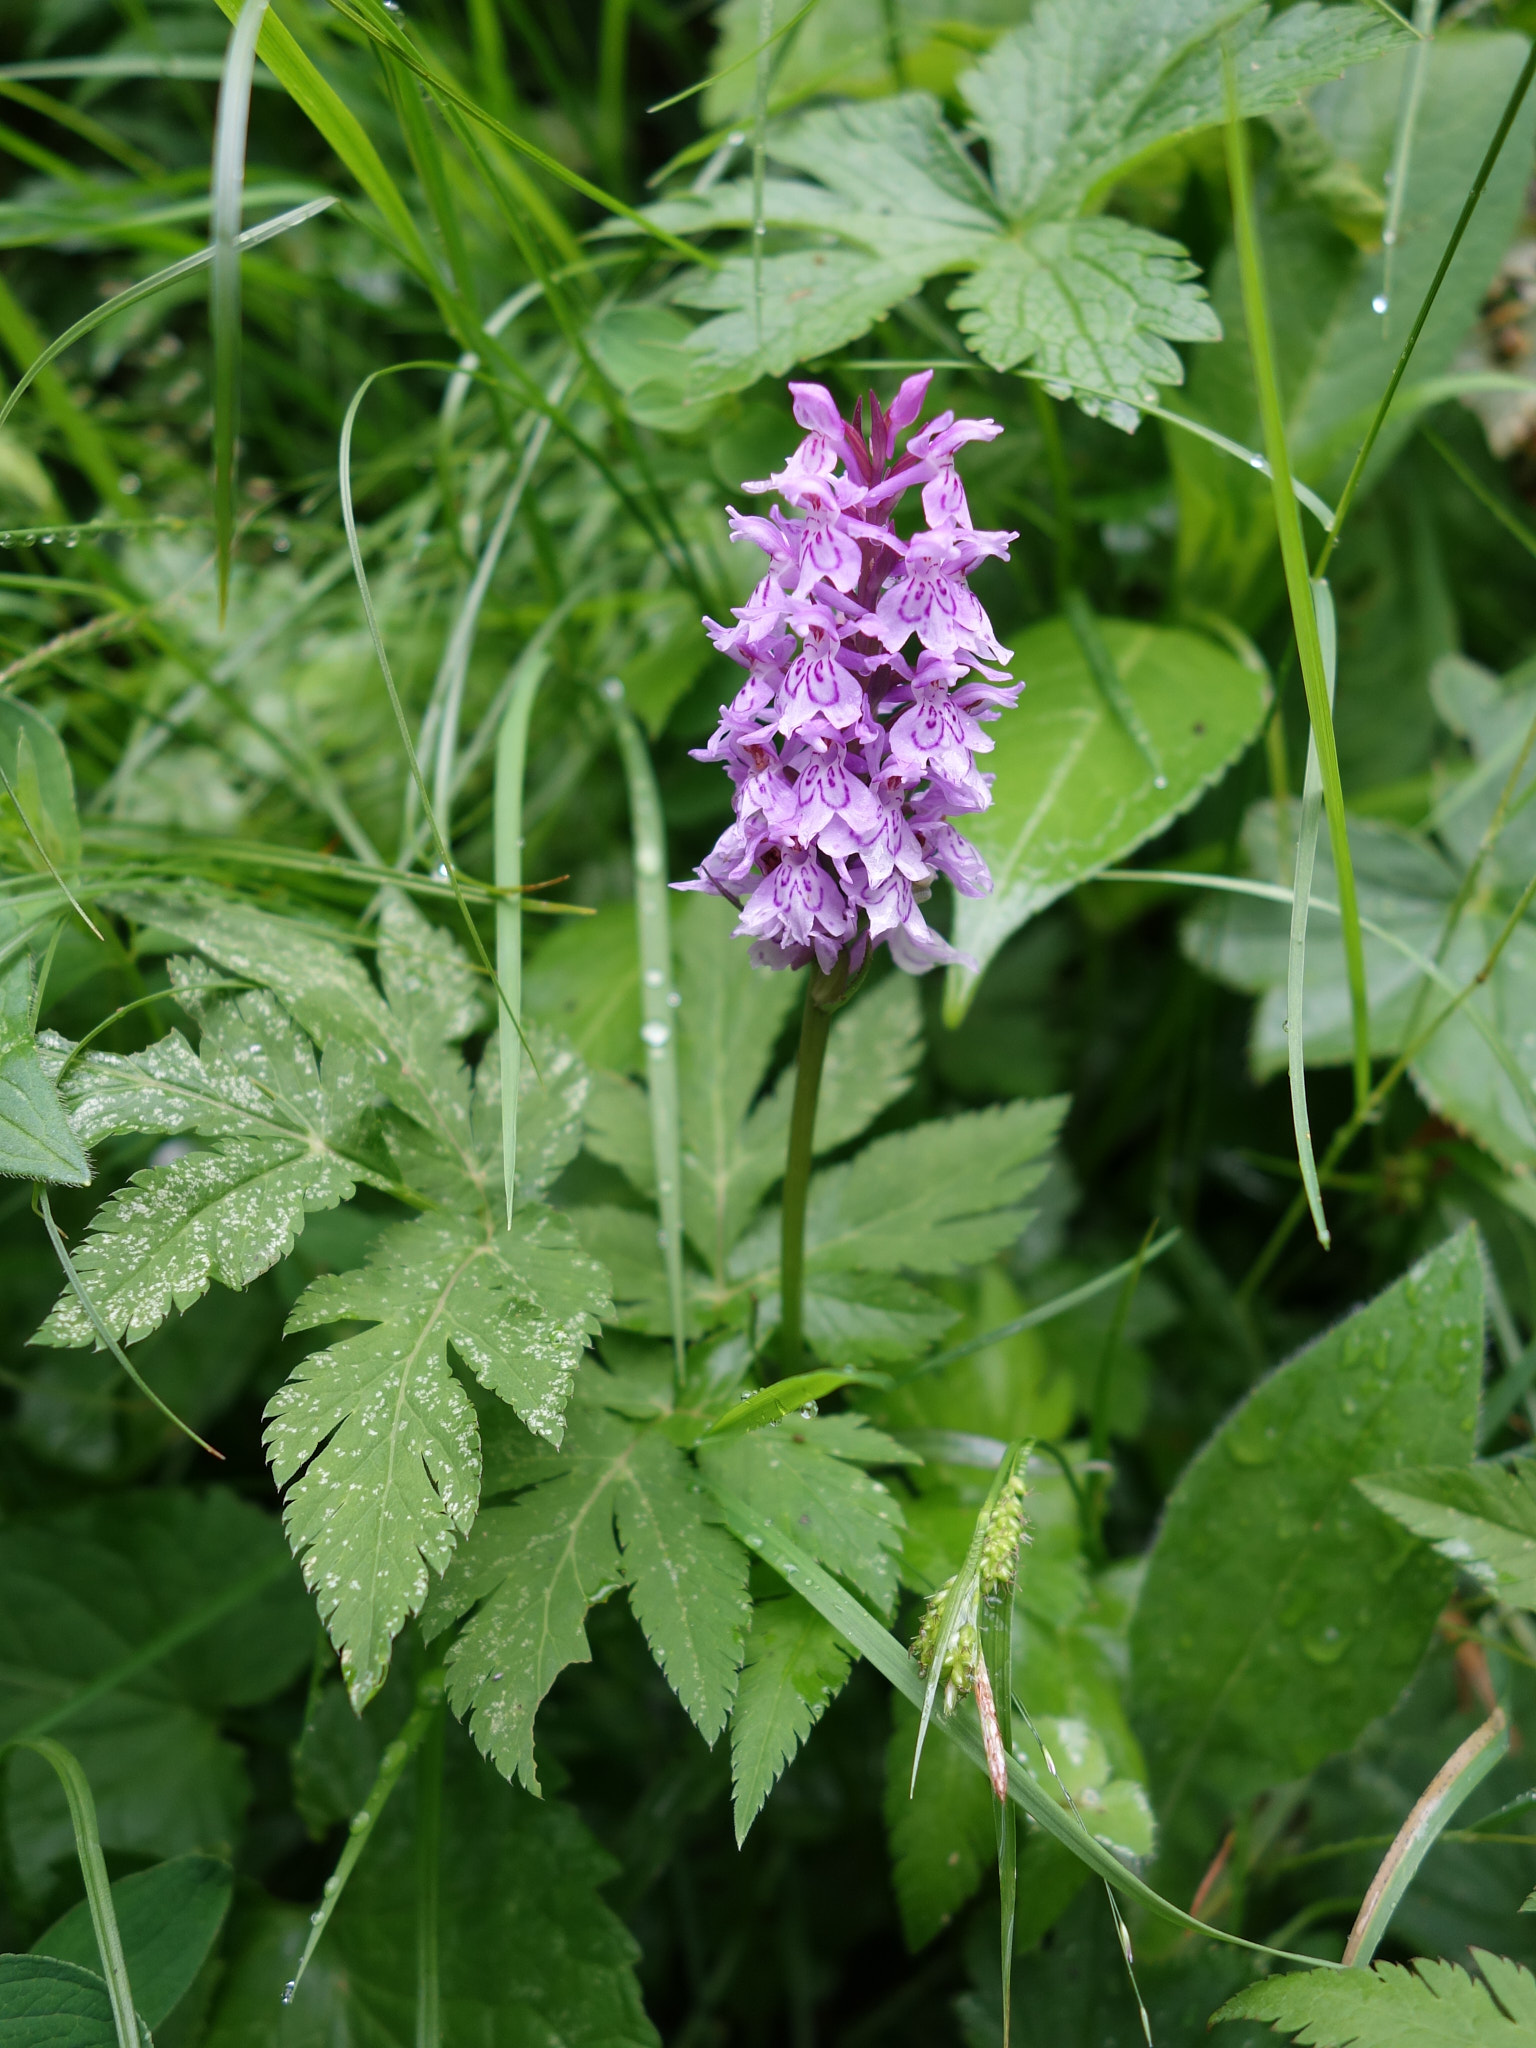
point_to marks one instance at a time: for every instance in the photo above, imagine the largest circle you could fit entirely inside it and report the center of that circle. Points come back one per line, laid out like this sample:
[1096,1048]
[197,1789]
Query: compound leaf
[796,1665]
[1432,2005]
[1482,1520]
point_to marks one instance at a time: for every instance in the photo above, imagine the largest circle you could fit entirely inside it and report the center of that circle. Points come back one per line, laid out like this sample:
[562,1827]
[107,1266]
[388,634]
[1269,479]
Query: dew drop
[674,1000]
[6,541]
[1379,303]
[656,1034]
[47,539]
[315,1919]
[128,484]
[289,1989]
[1257,462]
[72,540]
[497,1677]
[1159,782]
[760,228]
[1388,237]
[281,544]
[654,977]
[1326,1648]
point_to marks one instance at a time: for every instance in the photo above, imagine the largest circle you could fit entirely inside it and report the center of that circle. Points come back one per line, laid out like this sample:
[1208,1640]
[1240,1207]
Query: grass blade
[1298,582]
[1510,522]
[224,285]
[429,1884]
[98,1891]
[511,760]
[1301,898]
[1424,12]
[1458,1777]
[657,1004]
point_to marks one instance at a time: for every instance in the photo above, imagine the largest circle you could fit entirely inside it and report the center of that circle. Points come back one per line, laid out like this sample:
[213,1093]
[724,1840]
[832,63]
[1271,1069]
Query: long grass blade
[104,1334]
[426,1713]
[1518,91]
[429,1885]
[1511,523]
[1301,899]
[511,762]
[98,1889]
[1424,12]
[146,289]
[658,1000]
[1452,1785]
[1294,557]
[751,57]
[224,284]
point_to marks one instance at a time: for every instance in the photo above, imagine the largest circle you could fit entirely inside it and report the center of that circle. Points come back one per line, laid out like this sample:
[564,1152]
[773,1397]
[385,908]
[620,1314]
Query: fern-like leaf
[1433,2005]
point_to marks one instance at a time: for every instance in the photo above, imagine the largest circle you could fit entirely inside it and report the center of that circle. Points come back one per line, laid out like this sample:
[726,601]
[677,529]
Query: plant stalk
[822,996]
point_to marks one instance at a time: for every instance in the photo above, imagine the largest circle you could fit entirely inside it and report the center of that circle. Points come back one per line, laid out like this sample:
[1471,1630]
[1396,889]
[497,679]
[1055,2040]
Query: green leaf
[1091,304]
[527,1950]
[1334,352]
[584,983]
[940,1829]
[1070,98]
[622,1507]
[1276,1619]
[190,1600]
[398,1477]
[801,1476]
[1074,792]
[932,1199]
[168,1918]
[45,2003]
[796,1666]
[279,1120]
[1433,2005]
[773,1403]
[38,819]
[1482,1520]
[36,1141]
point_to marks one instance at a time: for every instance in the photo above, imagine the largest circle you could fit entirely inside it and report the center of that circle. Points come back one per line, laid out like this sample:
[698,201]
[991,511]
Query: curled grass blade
[224,284]
[1458,1777]
[98,1889]
[658,1027]
[1301,899]
[1294,558]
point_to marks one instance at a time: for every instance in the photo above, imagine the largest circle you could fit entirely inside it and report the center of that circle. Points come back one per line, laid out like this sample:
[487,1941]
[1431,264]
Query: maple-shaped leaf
[374,1438]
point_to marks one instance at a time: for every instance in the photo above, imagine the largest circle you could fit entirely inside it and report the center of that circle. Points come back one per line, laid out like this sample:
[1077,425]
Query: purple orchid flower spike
[848,755]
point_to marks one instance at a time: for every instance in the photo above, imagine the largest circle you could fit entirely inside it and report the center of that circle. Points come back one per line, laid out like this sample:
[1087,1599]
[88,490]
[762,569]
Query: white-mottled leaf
[796,1665]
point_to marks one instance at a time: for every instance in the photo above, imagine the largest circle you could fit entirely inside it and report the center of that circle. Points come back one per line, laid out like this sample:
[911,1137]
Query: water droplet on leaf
[1379,303]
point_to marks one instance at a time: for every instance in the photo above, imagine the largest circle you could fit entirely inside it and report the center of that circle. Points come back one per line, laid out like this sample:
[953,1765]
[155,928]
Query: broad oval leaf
[168,1918]
[45,2003]
[1074,792]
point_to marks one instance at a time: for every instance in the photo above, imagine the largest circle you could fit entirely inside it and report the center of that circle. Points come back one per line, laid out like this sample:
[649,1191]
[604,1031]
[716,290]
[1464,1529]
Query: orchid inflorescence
[848,757]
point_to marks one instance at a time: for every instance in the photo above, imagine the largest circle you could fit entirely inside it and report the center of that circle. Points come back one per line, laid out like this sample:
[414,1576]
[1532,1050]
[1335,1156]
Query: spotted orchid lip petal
[849,750]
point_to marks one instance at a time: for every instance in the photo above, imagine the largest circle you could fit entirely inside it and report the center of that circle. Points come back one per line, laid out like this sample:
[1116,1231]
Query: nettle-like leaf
[890,196]
[621,1506]
[796,1666]
[1435,2003]
[1482,1520]
[377,1436]
[283,1126]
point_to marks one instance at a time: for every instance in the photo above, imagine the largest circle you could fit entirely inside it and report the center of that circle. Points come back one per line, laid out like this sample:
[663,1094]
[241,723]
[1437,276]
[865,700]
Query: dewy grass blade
[1424,12]
[98,1889]
[1301,898]
[1294,557]
[511,763]
[1442,1798]
[104,1335]
[426,1714]
[871,1640]
[657,999]
[145,289]
[1500,136]
[224,285]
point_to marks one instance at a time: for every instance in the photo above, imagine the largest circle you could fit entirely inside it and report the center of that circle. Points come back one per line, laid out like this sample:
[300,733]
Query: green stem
[1298,578]
[821,998]
[429,1852]
[1485,171]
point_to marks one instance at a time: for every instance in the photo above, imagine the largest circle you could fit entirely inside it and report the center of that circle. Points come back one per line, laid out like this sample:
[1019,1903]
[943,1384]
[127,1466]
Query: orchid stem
[823,995]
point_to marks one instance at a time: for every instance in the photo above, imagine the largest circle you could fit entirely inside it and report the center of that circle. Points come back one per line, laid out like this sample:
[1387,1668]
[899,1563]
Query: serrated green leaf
[796,1666]
[1073,791]
[687,1580]
[527,1951]
[167,1918]
[1276,1620]
[88,1590]
[278,1119]
[398,1477]
[773,1403]
[1432,2005]
[533,1569]
[1078,92]
[799,1476]
[1481,1520]
[932,1199]
[1087,303]
[45,2003]
[36,1140]
[852,1318]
